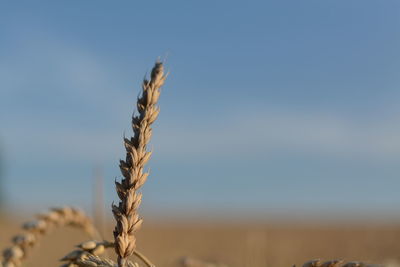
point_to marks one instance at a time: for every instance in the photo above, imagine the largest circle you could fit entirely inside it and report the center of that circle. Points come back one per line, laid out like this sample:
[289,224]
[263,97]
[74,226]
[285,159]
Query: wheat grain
[56,217]
[126,214]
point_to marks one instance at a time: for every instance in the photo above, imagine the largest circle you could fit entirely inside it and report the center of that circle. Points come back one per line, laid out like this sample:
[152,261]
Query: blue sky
[271,107]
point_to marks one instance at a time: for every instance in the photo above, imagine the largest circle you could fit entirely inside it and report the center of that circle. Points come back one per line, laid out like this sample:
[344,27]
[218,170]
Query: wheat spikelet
[56,217]
[126,213]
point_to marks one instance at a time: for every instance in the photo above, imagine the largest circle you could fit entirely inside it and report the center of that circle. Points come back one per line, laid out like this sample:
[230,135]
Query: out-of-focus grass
[236,245]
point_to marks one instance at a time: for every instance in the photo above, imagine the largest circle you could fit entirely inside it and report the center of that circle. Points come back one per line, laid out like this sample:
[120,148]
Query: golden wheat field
[236,245]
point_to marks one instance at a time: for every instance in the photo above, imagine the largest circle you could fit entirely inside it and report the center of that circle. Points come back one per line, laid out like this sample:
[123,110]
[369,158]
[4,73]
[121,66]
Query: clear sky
[271,107]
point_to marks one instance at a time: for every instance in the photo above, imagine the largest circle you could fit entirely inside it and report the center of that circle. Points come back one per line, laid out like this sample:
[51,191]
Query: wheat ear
[56,217]
[95,261]
[126,213]
[335,263]
[95,248]
[84,250]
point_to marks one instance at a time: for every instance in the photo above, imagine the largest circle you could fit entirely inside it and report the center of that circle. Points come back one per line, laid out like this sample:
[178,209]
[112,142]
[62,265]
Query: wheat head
[336,263]
[126,213]
[34,230]
[95,261]
[95,248]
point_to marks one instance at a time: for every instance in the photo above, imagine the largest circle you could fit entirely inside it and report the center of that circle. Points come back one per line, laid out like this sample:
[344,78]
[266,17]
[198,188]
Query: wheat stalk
[126,213]
[56,217]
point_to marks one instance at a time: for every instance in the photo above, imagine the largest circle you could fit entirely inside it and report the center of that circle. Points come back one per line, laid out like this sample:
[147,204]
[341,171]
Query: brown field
[236,245]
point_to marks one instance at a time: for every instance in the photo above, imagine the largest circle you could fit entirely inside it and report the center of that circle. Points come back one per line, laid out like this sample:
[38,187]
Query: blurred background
[278,139]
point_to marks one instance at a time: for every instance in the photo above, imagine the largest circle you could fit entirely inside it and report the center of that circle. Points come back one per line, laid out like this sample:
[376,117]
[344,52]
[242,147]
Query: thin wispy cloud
[268,131]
